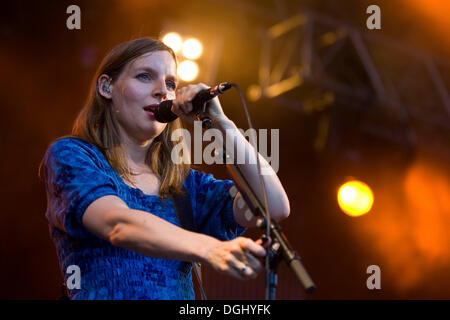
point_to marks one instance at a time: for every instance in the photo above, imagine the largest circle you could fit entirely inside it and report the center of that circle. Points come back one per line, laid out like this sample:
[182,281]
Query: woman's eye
[144,76]
[171,85]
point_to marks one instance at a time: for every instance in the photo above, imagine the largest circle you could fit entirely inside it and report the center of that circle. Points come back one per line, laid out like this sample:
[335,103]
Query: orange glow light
[355,198]
[192,49]
[188,70]
[173,40]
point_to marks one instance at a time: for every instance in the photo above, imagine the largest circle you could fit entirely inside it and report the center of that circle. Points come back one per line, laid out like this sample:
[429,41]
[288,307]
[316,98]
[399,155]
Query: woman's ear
[104,86]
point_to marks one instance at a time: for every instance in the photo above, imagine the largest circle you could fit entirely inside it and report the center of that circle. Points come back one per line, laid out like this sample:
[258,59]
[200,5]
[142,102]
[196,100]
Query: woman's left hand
[182,104]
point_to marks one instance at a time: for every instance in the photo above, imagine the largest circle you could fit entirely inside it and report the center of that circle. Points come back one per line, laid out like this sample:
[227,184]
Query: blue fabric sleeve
[212,206]
[74,179]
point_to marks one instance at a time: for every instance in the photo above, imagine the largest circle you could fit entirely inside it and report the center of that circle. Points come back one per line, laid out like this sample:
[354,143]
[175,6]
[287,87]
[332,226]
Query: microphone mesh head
[163,112]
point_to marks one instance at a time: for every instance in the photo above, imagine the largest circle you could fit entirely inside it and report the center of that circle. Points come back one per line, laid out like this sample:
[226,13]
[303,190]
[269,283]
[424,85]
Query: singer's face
[145,81]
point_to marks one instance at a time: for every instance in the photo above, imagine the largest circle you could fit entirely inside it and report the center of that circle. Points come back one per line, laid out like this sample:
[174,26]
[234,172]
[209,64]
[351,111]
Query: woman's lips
[150,110]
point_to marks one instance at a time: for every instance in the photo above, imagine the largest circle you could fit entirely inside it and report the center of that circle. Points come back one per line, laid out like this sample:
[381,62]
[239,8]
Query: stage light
[254,92]
[192,48]
[188,70]
[355,198]
[173,40]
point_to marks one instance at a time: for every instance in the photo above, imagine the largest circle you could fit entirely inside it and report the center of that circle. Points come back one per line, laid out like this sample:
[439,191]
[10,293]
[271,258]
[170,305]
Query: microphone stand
[280,248]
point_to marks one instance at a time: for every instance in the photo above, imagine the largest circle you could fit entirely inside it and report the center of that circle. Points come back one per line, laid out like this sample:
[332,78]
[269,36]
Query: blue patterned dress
[76,174]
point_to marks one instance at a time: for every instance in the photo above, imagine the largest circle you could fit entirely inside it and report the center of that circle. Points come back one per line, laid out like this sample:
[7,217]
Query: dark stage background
[382,117]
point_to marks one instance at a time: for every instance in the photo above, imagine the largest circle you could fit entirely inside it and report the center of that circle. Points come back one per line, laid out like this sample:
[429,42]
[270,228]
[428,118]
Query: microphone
[164,114]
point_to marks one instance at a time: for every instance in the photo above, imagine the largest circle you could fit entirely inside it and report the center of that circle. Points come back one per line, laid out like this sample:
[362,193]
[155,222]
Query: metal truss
[362,68]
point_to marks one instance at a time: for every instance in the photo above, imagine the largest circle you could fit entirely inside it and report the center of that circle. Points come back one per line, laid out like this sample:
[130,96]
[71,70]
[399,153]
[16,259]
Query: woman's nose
[160,90]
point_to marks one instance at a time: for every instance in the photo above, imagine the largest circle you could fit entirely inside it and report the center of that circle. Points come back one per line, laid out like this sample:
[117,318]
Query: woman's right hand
[237,257]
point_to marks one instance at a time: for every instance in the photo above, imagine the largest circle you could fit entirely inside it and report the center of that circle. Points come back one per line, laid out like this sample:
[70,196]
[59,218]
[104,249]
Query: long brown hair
[97,125]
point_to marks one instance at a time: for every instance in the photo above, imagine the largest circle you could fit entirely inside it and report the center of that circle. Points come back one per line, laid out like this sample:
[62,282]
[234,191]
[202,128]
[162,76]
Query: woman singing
[110,187]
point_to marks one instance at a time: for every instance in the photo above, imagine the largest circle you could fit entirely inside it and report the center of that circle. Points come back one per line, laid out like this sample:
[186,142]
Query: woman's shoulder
[67,142]
[199,179]
[73,147]
[195,176]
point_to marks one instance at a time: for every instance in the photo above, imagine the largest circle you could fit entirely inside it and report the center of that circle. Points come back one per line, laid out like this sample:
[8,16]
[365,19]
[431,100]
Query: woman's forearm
[152,236]
[276,196]
[149,235]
